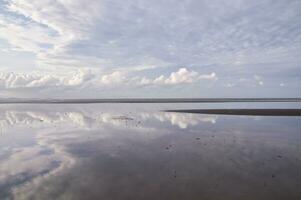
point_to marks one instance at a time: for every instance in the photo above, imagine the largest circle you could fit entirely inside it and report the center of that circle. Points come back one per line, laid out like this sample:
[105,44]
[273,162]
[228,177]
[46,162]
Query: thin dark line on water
[254,112]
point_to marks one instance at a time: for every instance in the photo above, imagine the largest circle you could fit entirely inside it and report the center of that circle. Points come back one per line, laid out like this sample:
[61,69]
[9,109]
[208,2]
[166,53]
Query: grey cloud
[234,38]
[187,33]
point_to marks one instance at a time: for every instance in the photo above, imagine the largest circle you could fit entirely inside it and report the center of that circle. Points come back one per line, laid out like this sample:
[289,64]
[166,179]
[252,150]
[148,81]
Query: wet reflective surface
[128,151]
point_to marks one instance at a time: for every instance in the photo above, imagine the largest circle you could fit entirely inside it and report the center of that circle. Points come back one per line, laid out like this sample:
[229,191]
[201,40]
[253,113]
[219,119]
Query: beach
[140,151]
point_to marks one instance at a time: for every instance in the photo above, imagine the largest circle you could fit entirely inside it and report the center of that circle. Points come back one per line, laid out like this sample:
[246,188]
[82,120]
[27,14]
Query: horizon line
[140,100]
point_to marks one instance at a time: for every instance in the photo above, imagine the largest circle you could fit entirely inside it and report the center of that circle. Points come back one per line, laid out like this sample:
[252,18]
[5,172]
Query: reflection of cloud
[38,160]
[137,165]
[86,119]
[182,120]
[35,118]
[27,165]
[68,162]
[52,163]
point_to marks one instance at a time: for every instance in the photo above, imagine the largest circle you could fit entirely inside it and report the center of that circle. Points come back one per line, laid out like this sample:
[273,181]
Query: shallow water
[130,151]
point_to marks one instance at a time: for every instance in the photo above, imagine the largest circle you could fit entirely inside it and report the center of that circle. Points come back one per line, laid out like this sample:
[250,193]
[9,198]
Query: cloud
[132,41]
[182,76]
[25,37]
[114,78]
[21,80]
[185,76]
[96,79]
[67,20]
[47,28]
[130,33]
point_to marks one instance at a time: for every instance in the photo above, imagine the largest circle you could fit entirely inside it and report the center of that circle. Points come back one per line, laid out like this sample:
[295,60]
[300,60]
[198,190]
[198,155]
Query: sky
[143,48]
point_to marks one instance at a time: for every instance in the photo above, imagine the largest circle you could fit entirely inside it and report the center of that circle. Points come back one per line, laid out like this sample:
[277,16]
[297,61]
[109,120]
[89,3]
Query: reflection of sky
[135,152]
[86,119]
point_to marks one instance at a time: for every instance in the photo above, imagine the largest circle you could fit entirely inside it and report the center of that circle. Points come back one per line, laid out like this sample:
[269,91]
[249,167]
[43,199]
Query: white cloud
[96,79]
[21,80]
[185,76]
[79,78]
[181,76]
[114,78]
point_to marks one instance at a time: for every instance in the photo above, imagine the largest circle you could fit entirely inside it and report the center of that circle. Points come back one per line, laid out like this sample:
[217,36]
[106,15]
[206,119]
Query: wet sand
[111,151]
[256,112]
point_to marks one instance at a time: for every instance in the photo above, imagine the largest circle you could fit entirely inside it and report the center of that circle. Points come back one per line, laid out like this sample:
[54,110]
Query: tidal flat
[139,151]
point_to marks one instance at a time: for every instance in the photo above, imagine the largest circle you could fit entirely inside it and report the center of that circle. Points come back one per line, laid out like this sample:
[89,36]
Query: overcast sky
[150,48]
